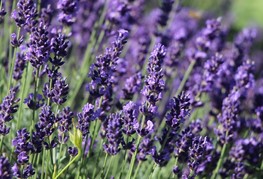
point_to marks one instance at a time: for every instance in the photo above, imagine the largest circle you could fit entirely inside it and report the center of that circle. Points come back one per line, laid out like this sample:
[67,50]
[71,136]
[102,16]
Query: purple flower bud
[2,14]
[16,171]
[19,67]
[5,168]
[34,105]
[16,42]
[28,171]
[73,151]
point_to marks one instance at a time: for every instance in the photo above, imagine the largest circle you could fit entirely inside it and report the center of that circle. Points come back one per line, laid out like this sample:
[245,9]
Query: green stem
[105,177]
[22,97]
[137,170]
[185,78]
[134,157]
[1,142]
[123,163]
[97,160]
[70,162]
[104,164]
[43,163]
[220,162]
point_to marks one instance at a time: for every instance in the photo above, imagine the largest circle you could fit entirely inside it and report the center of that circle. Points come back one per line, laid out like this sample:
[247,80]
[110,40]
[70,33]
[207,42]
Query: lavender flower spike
[8,107]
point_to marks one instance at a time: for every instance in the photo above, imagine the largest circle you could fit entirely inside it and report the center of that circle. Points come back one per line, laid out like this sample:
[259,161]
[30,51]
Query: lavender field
[130,89]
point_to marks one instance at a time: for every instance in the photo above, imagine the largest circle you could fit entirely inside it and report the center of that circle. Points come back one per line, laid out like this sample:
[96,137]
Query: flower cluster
[124,89]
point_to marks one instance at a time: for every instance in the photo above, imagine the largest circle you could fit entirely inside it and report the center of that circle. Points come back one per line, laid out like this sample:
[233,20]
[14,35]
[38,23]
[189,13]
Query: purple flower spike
[87,115]
[64,124]
[19,67]
[39,46]
[113,134]
[8,107]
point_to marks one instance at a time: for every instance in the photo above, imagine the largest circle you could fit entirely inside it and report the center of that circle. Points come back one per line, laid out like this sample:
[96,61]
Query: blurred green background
[242,13]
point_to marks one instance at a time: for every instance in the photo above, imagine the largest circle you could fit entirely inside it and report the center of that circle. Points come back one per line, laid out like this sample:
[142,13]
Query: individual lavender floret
[87,115]
[59,45]
[179,110]
[26,14]
[113,129]
[19,67]
[36,103]
[8,107]
[16,171]
[64,123]
[132,85]
[166,8]
[39,46]
[5,168]
[130,114]
[15,41]
[2,14]
[28,171]
[73,151]
[154,83]
[68,10]
[259,112]
[102,71]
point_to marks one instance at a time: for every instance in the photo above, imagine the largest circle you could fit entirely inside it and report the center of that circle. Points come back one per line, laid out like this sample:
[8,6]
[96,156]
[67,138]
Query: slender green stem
[35,95]
[124,163]
[105,177]
[104,164]
[70,162]
[97,160]
[22,97]
[185,78]
[220,162]
[43,163]
[1,142]
[137,170]
[134,157]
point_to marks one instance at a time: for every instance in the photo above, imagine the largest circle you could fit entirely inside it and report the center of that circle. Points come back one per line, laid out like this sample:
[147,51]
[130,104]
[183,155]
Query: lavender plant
[114,89]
